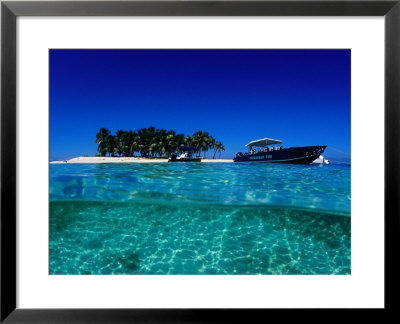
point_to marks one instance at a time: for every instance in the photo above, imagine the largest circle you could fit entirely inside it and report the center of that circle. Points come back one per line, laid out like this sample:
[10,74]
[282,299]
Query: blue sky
[302,97]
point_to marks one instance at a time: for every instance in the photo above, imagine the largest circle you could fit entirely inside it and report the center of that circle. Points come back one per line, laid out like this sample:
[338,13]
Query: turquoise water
[199,218]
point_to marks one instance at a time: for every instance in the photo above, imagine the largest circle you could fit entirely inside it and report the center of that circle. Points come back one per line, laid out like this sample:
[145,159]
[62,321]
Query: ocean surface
[200,218]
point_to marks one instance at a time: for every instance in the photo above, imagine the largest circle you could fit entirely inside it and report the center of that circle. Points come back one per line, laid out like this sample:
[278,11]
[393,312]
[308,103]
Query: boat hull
[294,155]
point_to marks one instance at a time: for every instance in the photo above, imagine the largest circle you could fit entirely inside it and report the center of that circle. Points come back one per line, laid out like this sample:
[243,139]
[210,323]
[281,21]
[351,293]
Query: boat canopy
[264,142]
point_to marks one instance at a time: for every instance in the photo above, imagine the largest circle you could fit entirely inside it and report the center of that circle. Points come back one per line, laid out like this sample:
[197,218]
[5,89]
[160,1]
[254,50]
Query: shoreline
[108,159]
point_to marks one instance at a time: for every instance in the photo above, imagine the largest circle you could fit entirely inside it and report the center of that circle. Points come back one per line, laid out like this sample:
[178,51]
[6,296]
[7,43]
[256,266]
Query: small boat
[186,154]
[267,152]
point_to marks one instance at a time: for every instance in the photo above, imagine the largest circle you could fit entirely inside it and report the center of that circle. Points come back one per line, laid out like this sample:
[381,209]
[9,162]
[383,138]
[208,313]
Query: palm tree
[211,144]
[110,145]
[201,141]
[178,141]
[135,142]
[216,146]
[131,141]
[102,137]
[145,139]
[187,141]
[171,141]
[220,148]
[149,139]
[122,142]
[160,141]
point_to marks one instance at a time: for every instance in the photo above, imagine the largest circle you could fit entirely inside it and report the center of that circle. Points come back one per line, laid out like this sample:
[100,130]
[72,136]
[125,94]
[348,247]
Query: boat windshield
[265,149]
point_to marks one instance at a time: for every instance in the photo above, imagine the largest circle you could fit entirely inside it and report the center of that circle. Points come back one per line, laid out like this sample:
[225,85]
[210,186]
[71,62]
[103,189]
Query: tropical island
[149,145]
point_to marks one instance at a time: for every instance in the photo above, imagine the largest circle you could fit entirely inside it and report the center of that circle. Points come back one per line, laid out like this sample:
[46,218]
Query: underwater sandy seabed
[208,219]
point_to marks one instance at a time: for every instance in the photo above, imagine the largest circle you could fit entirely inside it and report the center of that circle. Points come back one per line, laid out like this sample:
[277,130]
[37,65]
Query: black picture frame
[10,10]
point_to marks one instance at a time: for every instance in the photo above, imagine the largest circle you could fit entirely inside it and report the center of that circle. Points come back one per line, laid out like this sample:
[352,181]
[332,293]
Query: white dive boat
[186,155]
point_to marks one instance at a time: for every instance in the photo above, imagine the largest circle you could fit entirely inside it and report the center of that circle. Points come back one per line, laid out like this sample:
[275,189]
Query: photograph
[199,161]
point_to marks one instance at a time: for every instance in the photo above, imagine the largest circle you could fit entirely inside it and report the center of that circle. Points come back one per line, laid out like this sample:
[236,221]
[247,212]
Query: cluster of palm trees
[153,142]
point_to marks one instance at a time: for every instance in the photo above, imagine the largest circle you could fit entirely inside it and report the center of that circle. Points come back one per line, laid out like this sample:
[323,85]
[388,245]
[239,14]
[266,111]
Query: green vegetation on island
[153,142]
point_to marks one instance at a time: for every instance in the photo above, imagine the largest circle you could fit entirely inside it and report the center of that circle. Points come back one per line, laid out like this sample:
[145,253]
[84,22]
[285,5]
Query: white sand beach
[107,159]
